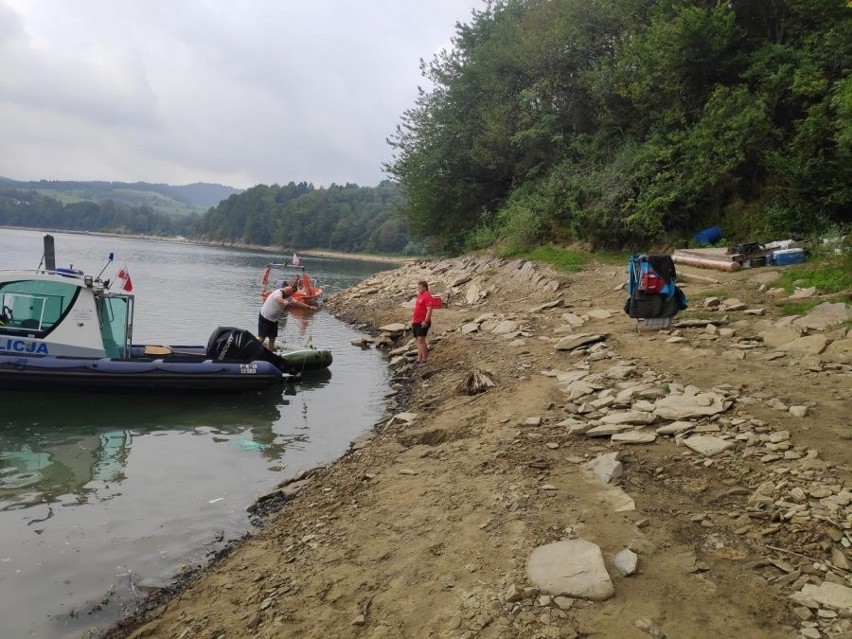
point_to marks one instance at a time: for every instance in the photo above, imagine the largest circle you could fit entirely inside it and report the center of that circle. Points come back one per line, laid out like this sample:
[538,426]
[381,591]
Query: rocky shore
[557,471]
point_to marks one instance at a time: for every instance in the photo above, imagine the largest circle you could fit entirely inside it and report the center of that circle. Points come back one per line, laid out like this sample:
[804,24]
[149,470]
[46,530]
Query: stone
[680,407]
[803,293]
[675,428]
[840,351]
[775,337]
[707,445]
[607,430]
[505,327]
[573,320]
[626,562]
[393,328]
[606,467]
[576,341]
[634,437]
[571,568]
[620,371]
[619,500]
[629,417]
[809,345]
[648,626]
[825,316]
[599,314]
[828,595]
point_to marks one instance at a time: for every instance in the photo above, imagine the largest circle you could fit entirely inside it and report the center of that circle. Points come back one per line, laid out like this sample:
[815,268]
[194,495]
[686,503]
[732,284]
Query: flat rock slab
[675,428]
[809,345]
[576,341]
[573,568]
[628,417]
[634,437]
[606,430]
[392,328]
[707,445]
[825,316]
[827,595]
[839,351]
[504,327]
[685,406]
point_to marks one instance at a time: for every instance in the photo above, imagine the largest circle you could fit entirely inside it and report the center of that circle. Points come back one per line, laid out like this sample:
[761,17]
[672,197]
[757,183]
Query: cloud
[241,93]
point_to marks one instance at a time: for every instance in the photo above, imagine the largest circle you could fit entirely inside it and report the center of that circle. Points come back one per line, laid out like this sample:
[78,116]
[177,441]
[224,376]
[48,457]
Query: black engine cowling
[230,344]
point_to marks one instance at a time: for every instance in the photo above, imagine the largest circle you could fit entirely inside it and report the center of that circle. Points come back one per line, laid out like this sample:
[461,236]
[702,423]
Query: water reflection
[56,446]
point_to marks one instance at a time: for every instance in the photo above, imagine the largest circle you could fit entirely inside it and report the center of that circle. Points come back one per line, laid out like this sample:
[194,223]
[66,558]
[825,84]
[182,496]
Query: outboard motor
[230,344]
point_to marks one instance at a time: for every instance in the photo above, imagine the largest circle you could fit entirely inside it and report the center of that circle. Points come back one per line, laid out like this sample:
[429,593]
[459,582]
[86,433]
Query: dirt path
[425,529]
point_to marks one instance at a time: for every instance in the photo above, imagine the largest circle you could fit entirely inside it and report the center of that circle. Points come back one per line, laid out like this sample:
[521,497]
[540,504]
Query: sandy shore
[704,469]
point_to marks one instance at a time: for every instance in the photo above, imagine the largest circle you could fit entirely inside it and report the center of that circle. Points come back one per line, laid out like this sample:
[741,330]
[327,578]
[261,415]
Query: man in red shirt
[421,320]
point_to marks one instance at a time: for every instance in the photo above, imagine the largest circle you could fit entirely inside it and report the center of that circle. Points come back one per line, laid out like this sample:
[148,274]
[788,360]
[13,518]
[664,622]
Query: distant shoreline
[339,255]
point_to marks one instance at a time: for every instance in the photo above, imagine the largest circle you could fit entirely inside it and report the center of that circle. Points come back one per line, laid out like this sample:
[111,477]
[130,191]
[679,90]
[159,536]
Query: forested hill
[632,121]
[162,198]
[343,218]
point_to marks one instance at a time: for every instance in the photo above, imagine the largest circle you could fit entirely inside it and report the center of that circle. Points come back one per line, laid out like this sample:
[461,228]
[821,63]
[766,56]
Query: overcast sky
[236,92]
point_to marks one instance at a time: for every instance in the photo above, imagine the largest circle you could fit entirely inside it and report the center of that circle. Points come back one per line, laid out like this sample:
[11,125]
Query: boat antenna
[110,258]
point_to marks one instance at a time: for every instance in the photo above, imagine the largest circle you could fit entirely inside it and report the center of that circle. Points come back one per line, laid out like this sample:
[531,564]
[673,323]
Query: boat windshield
[116,319]
[34,307]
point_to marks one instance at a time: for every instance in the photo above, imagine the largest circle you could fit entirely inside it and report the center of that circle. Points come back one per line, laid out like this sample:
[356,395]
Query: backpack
[652,287]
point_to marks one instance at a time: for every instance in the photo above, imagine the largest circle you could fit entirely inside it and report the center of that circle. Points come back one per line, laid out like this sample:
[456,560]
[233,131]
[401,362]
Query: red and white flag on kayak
[296,260]
[123,276]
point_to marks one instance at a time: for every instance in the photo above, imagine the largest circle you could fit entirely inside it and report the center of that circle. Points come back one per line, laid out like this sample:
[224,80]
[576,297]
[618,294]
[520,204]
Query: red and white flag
[124,277]
[296,260]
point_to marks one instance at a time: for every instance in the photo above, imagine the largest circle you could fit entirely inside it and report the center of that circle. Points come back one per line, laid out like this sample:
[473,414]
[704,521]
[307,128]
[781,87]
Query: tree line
[631,121]
[345,218]
[34,209]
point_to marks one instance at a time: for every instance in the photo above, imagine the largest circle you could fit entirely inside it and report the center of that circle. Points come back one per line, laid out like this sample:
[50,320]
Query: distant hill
[165,198]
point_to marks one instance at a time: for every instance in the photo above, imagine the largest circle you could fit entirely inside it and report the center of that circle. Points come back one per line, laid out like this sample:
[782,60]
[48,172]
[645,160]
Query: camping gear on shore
[708,236]
[783,257]
[653,295]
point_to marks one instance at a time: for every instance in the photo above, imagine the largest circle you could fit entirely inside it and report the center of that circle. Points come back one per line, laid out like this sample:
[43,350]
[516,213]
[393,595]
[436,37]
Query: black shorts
[266,328]
[420,329]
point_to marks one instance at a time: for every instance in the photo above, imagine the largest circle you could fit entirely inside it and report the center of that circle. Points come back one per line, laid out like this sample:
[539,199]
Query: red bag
[651,283]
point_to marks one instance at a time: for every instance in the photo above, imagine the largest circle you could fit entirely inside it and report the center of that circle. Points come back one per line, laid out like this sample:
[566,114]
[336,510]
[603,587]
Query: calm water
[101,497]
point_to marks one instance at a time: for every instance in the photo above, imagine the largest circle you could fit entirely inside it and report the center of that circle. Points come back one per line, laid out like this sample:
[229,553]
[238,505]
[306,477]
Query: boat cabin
[63,313]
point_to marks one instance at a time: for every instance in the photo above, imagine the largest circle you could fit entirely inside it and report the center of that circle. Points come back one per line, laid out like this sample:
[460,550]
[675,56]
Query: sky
[234,92]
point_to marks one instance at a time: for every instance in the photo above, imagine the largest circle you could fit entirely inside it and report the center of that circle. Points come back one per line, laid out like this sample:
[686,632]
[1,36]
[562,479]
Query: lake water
[103,497]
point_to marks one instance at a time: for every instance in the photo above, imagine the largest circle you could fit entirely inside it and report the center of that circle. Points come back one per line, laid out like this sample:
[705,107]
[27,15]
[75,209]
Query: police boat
[63,330]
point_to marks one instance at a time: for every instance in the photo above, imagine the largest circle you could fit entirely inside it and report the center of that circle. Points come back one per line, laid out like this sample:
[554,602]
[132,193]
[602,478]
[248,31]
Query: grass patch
[703,294]
[828,277]
[702,315]
[571,261]
[613,258]
[802,308]
[799,308]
